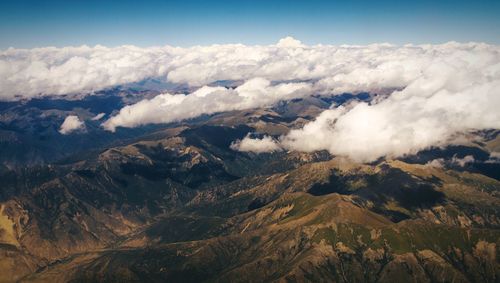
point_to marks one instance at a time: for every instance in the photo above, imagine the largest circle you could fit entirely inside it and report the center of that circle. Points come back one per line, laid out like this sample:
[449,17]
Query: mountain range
[176,202]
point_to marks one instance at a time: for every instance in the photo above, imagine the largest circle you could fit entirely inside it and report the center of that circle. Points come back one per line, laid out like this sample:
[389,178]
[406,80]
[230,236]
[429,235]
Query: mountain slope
[176,203]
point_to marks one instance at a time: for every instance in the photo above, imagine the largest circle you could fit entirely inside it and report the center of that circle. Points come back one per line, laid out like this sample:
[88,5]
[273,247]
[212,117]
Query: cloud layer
[165,108]
[453,94]
[442,89]
[26,73]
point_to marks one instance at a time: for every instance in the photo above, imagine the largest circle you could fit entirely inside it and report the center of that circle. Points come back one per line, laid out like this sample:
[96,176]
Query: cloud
[289,42]
[27,73]
[98,117]
[494,157]
[165,108]
[436,163]
[453,94]
[462,161]
[256,145]
[437,91]
[454,161]
[71,124]
[70,70]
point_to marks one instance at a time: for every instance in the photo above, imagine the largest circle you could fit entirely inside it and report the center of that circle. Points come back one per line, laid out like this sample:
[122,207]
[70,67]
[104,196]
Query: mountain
[171,203]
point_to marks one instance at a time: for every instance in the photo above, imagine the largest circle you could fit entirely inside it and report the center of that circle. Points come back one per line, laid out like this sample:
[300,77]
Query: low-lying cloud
[452,95]
[98,117]
[402,124]
[71,124]
[167,108]
[442,90]
[454,161]
[256,145]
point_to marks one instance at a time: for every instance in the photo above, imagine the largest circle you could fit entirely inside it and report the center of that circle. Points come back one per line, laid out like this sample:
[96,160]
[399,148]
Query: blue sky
[184,23]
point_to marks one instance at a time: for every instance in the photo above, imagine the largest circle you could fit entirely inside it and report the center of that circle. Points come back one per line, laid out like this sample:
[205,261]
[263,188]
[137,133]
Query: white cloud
[70,124]
[494,157]
[454,93]
[289,42]
[55,71]
[462,161]
[26,73]
[98,117]
[248,144]
[442,89]
[456,161]
[436,163]
[165,108]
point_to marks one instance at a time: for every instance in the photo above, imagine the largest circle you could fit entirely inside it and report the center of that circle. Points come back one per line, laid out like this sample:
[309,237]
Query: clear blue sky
[38,23]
